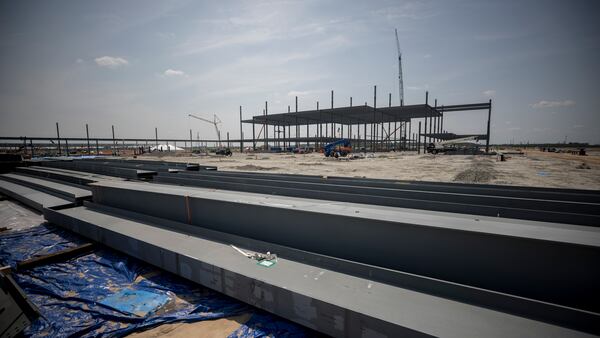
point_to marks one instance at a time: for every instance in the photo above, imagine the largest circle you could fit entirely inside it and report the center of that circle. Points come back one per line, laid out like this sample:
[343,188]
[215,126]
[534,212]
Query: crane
[214,122]
[400,82]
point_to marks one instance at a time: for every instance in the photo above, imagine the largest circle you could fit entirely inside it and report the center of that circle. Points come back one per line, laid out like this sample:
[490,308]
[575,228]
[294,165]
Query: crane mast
[400,82]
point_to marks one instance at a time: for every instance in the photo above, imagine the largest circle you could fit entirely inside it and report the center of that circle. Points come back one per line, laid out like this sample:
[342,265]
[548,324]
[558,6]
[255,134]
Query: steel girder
[334,303]
[503,255]
[550,210]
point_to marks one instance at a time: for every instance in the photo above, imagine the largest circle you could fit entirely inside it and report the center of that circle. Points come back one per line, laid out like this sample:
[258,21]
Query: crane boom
[201,118]
[400,81]
[215,122]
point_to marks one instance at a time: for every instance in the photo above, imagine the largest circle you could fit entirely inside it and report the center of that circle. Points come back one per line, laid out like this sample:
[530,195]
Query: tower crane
[400,81]
[216,121]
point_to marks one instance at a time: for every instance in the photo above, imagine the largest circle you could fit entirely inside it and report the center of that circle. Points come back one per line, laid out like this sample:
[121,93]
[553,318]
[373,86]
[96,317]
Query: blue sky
[142,64]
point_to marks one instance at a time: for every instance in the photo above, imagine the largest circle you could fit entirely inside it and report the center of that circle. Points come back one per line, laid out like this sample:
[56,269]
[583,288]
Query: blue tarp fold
[70,294]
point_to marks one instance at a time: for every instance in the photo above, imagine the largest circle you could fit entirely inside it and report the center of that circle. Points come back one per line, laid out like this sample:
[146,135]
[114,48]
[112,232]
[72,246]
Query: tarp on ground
[74,297]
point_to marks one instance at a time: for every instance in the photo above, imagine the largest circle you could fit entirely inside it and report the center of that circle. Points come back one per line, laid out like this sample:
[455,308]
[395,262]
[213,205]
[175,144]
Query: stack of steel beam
[355,257]
[155,163]
[350,269]
[80,178]
[100,168]
[580,207]
[41,193]
[130,169]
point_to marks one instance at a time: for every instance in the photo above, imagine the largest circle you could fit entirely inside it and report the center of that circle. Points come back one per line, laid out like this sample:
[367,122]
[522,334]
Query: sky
[138,65]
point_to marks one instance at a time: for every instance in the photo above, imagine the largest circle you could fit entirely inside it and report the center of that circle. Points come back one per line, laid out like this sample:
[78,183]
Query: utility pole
[487,141]
[241,133]
[113,138]
[332,123]
[58,139]
[266,126]
[373,124]
[419,139]
[87,135]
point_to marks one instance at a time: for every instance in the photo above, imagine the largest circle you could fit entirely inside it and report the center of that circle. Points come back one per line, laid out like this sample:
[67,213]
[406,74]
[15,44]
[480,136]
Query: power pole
[58,139]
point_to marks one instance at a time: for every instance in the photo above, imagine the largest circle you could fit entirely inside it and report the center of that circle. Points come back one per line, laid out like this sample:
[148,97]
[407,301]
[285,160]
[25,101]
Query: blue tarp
[72,296]
[136,302]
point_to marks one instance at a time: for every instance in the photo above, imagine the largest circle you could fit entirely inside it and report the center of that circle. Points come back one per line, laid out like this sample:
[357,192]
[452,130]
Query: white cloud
[111,62]
[174,73]
[552,104]
[426,56]
[489,92]
[298,93]
[577,126]
[79,61]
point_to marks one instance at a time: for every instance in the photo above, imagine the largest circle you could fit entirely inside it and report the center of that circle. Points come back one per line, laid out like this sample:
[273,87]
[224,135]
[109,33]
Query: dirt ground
[533,168]
[206,329]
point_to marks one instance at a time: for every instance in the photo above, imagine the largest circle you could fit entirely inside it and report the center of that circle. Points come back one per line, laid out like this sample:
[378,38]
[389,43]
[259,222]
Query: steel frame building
[368,127]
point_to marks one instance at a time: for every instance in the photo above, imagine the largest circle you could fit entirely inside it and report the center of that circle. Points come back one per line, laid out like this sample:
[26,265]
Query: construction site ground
[531,168]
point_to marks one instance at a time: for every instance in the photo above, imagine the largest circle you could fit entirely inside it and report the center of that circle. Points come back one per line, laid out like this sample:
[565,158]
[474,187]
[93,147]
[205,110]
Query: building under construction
[370,128]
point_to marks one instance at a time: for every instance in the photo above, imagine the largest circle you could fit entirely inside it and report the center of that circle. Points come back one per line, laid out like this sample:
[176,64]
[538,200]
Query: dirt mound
[480,171]
[252,167]
[310,163]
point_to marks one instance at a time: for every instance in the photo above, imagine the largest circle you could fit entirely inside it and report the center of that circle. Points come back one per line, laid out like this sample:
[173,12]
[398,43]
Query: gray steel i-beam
[75,177]
[31,197]
[58,189]
[101,169]
[554,194]
[511,254]
[332,302]
[476,204]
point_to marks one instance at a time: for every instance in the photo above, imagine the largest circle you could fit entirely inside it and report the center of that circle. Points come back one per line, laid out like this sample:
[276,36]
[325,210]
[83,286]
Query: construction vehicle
[337,148]
[463,145]
[224,152]
[216,121]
